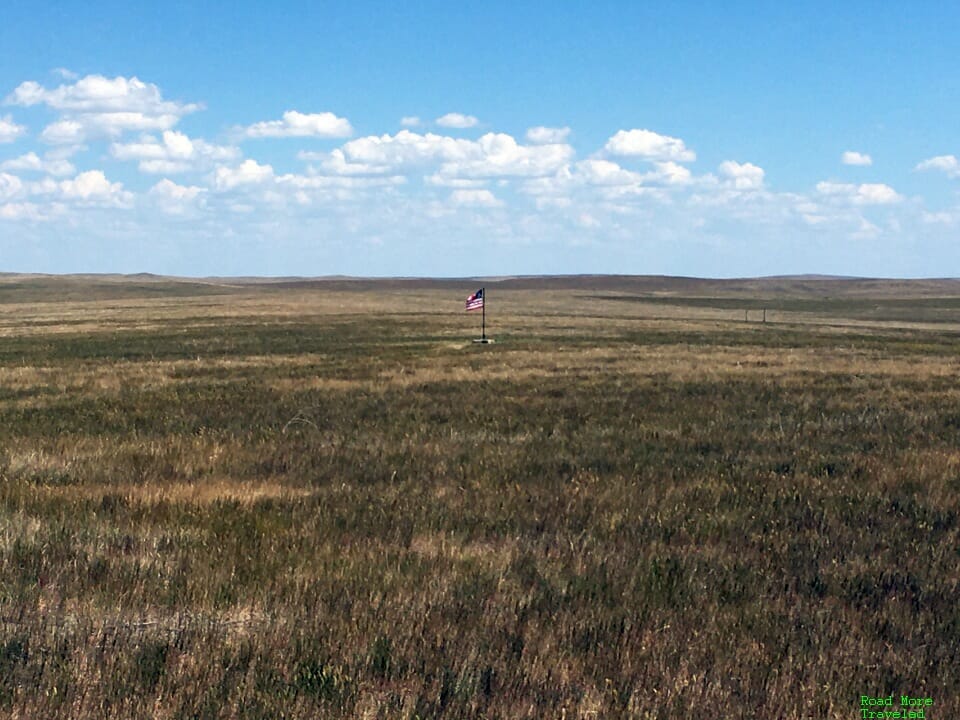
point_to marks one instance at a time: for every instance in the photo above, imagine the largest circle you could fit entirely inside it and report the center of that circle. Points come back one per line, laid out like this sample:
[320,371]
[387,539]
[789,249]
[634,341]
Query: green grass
[351,515]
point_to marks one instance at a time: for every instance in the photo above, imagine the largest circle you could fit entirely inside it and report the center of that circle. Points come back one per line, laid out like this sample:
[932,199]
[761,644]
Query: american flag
[475,301]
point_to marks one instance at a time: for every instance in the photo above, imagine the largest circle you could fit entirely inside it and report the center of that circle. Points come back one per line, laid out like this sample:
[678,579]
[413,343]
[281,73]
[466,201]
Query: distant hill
[52,288]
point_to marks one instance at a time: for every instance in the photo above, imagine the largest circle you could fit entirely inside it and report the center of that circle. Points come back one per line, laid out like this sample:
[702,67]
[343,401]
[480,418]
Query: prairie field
[293,499]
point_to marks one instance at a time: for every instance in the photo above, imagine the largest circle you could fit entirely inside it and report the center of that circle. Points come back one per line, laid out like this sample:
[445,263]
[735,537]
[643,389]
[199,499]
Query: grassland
[301,500]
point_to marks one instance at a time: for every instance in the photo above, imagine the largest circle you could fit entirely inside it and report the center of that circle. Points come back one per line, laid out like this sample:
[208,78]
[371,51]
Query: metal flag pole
[480,297]
[483,321]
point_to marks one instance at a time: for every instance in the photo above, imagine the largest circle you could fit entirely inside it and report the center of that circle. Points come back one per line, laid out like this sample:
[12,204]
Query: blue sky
[443,139]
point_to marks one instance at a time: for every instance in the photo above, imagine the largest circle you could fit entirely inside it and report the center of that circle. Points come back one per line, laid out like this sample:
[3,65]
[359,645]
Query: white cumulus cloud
[492,155]
[944,163]
[605,172]
[405,148]
[297,124]
[866,194]
[90,188]
[851,157]
[32,162]
[249,172]
[77,129]
[544,135]
[649,145]
[866,230]
[439,181]
[742,176]
[613,180]
[10,186]
[96,106]
[317,182]
[474,198]
[112,124]
[9,130]
[877,194]
[169,190]
[93,186]
[410,121]
[95,93]
[64,132]
[176,199]
[175,152]
[456,120]
[27,211]
[335,163]
[499,155]
[668,173]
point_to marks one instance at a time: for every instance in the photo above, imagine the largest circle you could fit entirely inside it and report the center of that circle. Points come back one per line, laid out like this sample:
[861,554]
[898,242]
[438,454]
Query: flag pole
[483,309]
[478,299]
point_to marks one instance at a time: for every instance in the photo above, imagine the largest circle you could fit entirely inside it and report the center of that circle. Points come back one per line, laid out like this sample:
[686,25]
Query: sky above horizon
[448,140]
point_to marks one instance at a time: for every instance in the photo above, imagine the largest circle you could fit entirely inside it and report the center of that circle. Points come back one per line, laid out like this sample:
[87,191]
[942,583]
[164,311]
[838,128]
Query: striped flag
[475,301]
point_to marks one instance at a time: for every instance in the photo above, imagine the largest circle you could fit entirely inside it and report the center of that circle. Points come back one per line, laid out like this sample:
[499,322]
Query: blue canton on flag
[475,301]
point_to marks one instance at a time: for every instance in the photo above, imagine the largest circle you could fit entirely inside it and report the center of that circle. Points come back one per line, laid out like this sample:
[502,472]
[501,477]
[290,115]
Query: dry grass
[299,501]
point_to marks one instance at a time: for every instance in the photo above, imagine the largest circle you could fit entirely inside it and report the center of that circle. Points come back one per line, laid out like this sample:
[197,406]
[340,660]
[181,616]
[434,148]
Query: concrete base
[485,341]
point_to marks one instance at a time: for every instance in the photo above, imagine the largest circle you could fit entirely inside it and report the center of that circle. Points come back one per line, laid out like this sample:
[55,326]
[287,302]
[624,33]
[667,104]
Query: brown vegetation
[321,500]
